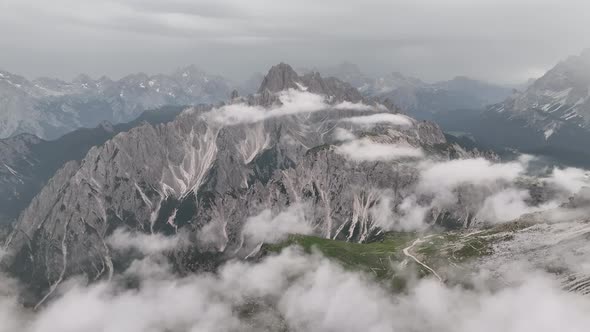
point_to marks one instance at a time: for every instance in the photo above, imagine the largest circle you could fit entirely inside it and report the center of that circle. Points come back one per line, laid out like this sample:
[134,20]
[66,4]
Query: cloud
[508,205]
[292,101]
[347,105]
[270,228]
[441,179]
[448,175]
[374,119]
[365,149]
[300,292]
[488,190]
[382,211]
[144,243]
[569,179]
[213,235]
[341,134]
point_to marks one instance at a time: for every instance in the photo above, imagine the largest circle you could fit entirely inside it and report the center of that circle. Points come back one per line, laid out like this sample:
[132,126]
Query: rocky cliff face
[211,170]
[27,162]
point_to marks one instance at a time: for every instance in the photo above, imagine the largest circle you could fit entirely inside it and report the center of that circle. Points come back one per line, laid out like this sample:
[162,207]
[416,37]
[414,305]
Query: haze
[494,40]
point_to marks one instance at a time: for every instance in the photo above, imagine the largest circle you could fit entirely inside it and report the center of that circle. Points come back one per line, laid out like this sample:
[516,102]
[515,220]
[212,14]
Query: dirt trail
[408,253]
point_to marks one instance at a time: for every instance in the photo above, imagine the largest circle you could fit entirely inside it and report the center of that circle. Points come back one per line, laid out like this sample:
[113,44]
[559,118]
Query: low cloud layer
[146,244]
[271,228]
[491,192]
[374,119]
[365,149]
[292,102]
[569,179]
[300,292]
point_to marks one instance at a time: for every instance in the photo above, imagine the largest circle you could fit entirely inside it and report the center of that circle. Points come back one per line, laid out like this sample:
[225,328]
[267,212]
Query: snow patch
[548,133]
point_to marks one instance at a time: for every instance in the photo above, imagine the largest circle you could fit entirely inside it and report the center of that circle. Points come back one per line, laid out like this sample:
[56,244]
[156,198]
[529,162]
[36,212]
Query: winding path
[407,252]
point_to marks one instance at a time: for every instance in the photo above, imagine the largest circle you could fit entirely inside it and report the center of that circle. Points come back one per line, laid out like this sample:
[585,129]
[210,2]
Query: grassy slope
[382,257]
[376,257]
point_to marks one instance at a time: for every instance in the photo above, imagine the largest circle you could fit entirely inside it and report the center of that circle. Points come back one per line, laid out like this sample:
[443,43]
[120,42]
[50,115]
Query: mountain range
[420,99]
[551,117]
[302,154]
[49,108]
[297,142]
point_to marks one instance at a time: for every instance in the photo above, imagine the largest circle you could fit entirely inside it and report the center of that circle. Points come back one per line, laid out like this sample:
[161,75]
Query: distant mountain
[425,101]
[551,117]
[561,97]
[389,83]
[49,108]
[27,161]
[420,99]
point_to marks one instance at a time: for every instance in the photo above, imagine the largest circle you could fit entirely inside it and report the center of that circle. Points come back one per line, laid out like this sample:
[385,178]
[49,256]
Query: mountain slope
[28,161]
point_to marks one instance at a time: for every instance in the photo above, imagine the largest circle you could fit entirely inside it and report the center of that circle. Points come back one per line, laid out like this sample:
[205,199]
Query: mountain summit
[280,77]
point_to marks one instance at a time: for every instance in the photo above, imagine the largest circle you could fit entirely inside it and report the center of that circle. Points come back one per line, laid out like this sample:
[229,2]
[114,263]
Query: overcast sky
[495,40]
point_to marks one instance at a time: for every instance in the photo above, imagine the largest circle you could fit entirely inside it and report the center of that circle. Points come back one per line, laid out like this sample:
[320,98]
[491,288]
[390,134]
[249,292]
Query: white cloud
[569,179]
[442,178]
[213,235]
[269,228]
[341,134]
[374,119]
[292,101]
[476,186]
[508,205]
[382,211]
[302,292]
[144,243]
[365,149]
[448,175]
[347,105]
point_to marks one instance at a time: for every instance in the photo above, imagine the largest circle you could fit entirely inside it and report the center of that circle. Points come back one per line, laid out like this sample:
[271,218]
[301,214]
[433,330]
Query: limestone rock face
[27,162]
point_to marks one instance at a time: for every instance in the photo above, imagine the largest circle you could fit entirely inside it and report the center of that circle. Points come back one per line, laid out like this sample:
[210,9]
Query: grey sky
[495,40]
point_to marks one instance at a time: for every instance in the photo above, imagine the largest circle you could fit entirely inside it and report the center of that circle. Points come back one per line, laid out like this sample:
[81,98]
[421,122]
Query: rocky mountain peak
[280,77]
[570,73]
